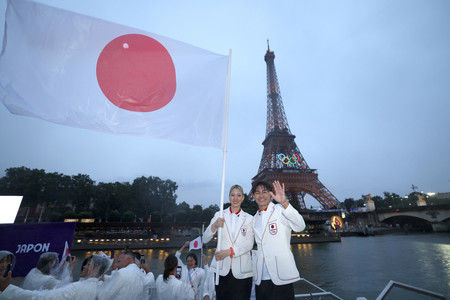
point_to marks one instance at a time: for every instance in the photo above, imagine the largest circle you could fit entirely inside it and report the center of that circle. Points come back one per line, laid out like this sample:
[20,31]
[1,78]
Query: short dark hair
[137,255]
[85,261]
[191,254]
[259,183]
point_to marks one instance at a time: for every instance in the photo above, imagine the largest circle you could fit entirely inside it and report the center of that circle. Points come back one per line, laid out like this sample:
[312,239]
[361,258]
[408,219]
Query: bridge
[437,217]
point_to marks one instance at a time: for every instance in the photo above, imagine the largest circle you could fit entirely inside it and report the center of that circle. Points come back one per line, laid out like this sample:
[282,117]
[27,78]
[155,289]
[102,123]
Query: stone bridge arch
[409,223]
[438,217]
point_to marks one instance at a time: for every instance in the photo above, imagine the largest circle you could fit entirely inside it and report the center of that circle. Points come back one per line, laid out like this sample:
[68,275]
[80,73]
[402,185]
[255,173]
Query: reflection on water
[357,266]
[362,266]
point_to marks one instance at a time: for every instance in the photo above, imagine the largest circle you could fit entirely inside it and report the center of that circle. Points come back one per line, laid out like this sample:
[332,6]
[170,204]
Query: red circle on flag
[195,244]
[136,73]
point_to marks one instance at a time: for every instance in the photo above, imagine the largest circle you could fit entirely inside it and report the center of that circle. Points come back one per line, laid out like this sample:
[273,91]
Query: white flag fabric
[80,71]
[195,244]
[10,207]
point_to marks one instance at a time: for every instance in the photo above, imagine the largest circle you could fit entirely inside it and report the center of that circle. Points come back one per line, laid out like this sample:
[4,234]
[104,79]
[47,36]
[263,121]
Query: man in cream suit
[233,261]
[274,268]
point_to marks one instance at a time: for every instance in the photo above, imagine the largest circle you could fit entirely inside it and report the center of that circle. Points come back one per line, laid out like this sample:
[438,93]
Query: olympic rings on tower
[289,160]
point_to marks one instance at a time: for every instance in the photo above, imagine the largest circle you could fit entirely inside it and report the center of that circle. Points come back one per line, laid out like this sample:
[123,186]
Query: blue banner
[29,241]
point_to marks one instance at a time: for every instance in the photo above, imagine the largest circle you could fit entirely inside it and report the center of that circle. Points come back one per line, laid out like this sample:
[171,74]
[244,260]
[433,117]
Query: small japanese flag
[196,244]
[103,254]
[66,252]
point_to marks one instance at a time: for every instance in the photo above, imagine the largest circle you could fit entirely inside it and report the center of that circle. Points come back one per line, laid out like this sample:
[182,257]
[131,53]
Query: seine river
[360,266]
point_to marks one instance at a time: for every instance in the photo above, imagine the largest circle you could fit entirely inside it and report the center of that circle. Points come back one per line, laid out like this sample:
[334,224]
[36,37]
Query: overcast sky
[365,87]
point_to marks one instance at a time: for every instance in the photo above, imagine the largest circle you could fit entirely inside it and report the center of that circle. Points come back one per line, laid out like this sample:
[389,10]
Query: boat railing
[408,287]
[319,293]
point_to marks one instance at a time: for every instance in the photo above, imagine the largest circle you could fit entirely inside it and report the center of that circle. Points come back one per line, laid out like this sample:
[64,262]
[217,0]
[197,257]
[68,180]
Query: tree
[349,203]
[104,200]
[70,215]
[195,215]
[111,196]
[128,216]
[156,216]
[392,200]
[360,203]
[85,215]
[376,200]
[152,194]
[208,213]
[249,206]
[183,206]
[113,216]
[56,217]
[182,212]
[168,218]
[412,199]
[181,216]
[81,191]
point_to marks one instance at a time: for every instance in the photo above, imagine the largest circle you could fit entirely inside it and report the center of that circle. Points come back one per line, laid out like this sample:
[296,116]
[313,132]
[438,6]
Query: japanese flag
[80,71]
[65,254]
[66,251]
[196,244]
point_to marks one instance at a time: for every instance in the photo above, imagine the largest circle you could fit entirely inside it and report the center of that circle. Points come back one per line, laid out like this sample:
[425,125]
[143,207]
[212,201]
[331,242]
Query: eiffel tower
[281,159]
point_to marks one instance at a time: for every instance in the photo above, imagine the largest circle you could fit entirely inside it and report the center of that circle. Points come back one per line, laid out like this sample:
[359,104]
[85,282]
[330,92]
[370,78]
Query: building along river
[358,266]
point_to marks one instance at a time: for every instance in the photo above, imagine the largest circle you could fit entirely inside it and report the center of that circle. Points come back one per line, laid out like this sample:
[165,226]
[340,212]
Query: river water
[362,266]
[358,266]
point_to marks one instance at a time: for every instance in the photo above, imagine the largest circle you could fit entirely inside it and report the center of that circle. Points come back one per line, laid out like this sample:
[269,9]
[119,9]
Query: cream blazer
[274,244]
[242,242]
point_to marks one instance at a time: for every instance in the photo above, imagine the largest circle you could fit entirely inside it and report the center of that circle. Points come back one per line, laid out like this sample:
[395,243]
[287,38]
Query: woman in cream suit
[233,261]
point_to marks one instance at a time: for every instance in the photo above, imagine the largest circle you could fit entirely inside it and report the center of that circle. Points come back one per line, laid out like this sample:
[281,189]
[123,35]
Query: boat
[313,291]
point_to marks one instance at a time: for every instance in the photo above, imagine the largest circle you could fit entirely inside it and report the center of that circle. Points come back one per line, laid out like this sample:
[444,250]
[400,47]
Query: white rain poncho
[149,285]
[127,283]
[209,287]
[81,290]
[5,253]
[173,289]
[44,276]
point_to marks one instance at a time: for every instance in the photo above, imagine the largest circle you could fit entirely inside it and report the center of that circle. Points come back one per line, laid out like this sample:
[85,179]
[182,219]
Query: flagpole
[225,141]
[202,263]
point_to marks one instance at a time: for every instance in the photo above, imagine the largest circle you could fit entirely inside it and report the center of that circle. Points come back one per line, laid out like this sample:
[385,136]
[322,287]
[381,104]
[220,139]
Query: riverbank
[176,242]
[133,242]
[372,231]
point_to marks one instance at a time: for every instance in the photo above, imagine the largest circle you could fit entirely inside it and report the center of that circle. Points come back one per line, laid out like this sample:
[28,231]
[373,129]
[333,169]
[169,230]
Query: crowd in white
[129,279]
[267,273]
